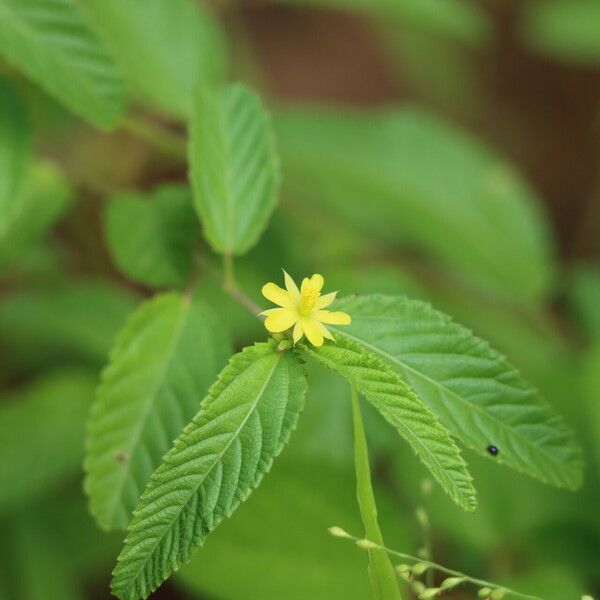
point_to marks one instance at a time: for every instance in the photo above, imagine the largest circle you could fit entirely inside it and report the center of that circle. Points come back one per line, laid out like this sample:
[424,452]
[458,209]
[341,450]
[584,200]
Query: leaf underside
[214,465]
[469,386]
[162,365]
[403,409]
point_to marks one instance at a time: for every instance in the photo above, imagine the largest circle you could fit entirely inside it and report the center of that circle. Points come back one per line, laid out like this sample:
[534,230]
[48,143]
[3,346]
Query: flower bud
[451,582]
[420,568]
[430,593]
[366,544]
[338,532]
[484,592]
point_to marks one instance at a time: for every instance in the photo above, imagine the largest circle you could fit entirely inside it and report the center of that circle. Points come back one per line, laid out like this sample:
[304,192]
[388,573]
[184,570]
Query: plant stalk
[381,572]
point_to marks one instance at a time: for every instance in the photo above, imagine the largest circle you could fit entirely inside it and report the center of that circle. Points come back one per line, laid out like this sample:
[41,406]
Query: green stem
[442,569]
[231,287]
[381,571]
[160,138]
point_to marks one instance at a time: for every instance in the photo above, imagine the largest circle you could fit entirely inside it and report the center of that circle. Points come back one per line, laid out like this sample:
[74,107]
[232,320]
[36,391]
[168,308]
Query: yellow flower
[302,309]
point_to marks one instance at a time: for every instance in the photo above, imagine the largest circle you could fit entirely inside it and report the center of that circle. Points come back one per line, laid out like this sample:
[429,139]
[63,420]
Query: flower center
[307,302]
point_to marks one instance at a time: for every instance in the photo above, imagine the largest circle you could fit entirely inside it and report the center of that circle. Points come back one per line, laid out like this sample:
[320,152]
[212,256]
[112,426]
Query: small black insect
[493,450]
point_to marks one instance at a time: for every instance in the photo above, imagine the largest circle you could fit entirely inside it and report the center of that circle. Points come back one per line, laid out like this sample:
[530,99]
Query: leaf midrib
[440,386]
[151,397]
[218,457]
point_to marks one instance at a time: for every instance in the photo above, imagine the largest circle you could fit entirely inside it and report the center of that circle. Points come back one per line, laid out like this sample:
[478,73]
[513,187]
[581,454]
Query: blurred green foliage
[397,200]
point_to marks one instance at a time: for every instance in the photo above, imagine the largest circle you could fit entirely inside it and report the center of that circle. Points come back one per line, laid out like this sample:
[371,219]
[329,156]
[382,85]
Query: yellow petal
[326,333]
[306,284]
[312,330]
[277,295]
[333,318]
[317,282]
[298,332]
[291,287]
[325,301]
[280,319]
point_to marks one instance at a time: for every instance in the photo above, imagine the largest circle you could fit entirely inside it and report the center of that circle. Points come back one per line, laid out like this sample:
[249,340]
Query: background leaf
[166,47]
[455,18]
[52,411]
[73,320]
[214,465]
[42,199]
[403,409]
[15,151]
[150,236]
[51,41]
[427,185]
[565,29]
[163,362]
[469,386]
[234,167]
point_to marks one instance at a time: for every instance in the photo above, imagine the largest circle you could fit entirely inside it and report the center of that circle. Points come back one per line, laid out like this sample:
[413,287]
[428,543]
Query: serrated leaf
[221,456]
[162,364]
[15,151]
[404,410]
[42,199]
[234,167]
[470,387]
[166,47]
[429,187]
[51,41]
[150,236]
[51,411]
[293,538]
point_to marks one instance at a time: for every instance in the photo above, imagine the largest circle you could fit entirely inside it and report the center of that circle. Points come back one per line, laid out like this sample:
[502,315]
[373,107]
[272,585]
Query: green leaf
[166,47]
[222,455]
[78,319]
[584,297]
[162,364]
[37,564]
[381,572]
[455,19]
[41,433]
[15,151]
[150,236]
[234,167]
[43,198]
[565,29]
[404,410]
[470,387]
[428,185]
[278,540]
[50,40]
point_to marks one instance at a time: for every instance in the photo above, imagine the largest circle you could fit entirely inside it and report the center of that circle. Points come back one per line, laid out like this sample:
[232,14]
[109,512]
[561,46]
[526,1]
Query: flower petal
[325,301]
[333,318]
[298,332]
[326,333]
[277,295]
[291,287]
[280,319]
[312,330]
[305,286]
[317,282]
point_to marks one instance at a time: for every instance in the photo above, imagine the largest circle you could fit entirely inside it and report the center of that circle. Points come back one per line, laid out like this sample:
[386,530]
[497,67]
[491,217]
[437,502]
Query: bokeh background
[448,150]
